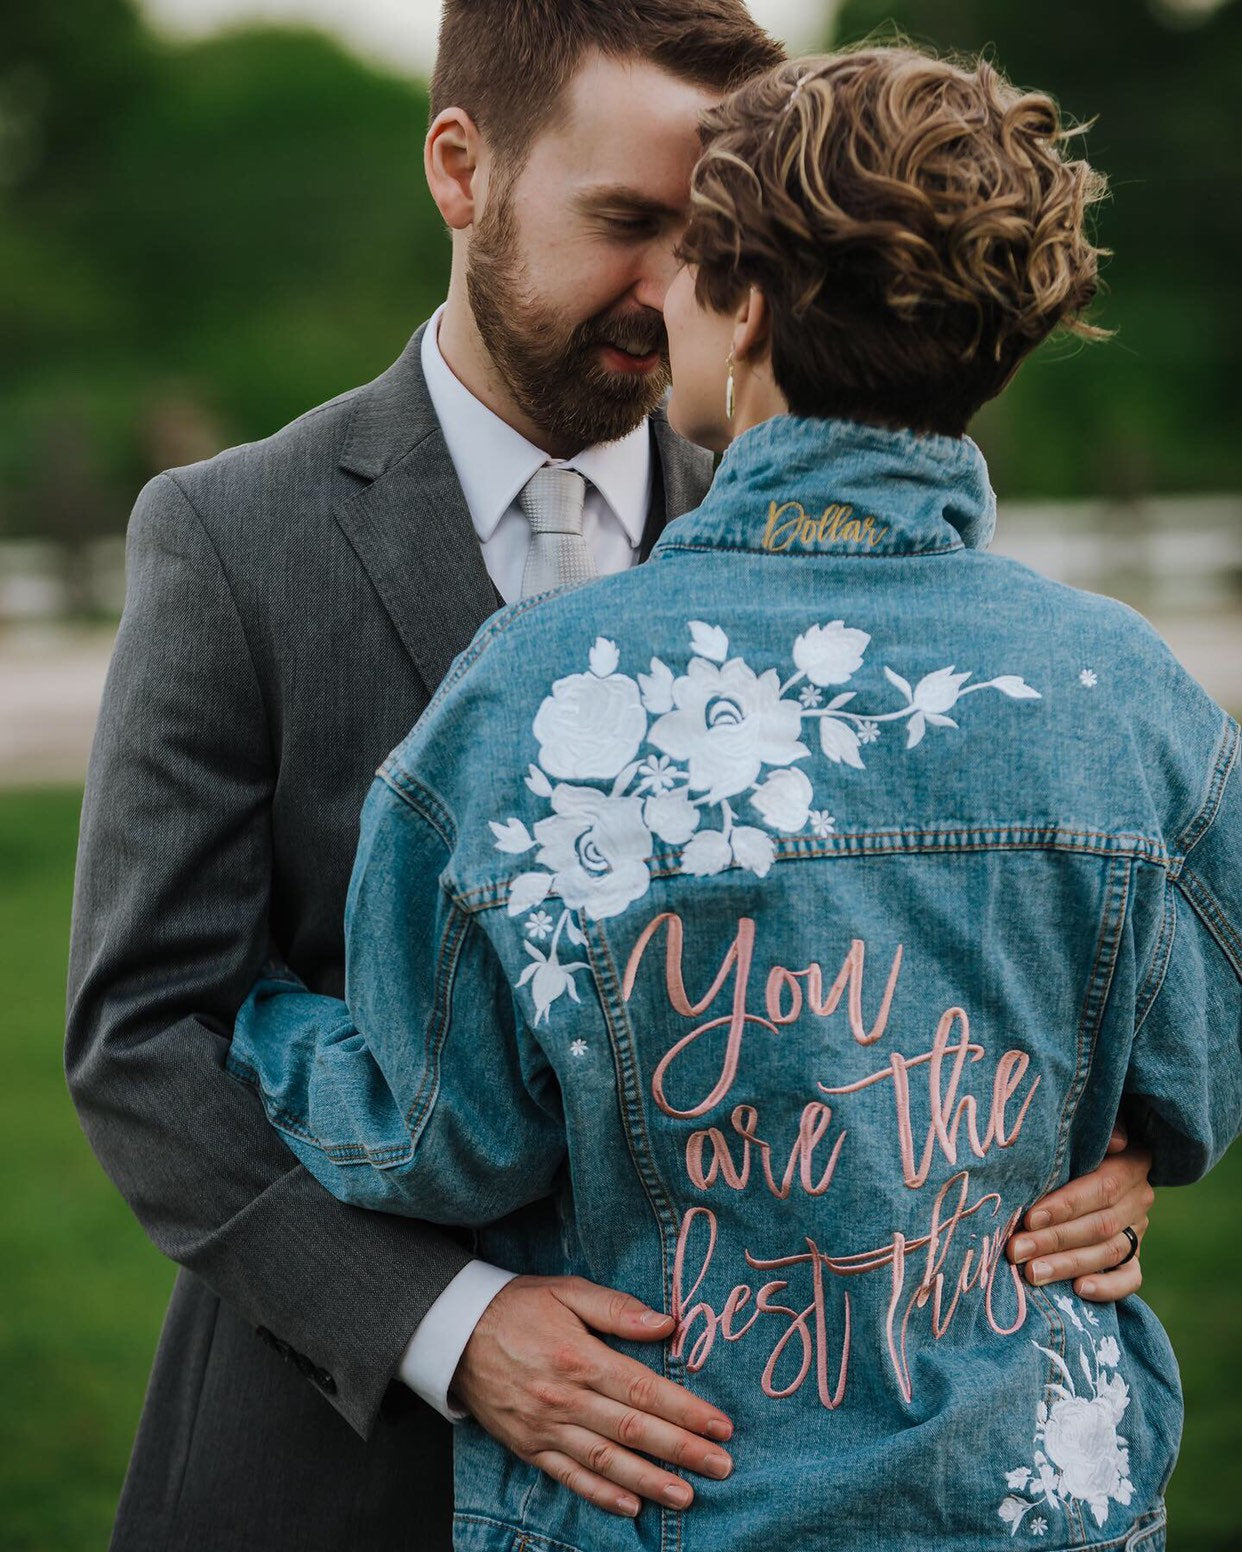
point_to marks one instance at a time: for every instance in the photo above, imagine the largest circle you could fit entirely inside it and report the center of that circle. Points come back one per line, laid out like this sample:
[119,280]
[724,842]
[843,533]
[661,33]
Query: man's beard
[555,374]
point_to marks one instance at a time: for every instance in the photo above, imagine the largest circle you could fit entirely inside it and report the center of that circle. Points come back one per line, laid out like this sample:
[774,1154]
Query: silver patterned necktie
[558,556]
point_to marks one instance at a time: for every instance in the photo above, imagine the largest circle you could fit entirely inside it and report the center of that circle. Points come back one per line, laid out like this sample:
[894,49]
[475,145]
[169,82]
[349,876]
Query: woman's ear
[752,326]
[451,159]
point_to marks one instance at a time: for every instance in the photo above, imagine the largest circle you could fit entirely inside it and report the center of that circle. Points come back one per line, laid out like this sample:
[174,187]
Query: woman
[763,929]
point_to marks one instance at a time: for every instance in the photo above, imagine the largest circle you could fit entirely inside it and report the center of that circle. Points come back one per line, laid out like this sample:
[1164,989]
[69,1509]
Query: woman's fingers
[1098,1229]
[1103,1253]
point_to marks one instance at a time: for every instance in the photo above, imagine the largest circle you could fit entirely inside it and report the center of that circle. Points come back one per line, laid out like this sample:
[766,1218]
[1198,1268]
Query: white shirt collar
[494,462]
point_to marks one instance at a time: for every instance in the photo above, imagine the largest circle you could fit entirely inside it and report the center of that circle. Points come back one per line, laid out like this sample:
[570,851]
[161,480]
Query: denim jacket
[761,931]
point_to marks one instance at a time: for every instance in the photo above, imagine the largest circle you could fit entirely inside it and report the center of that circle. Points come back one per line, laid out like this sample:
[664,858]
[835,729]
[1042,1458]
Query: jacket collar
[799,486]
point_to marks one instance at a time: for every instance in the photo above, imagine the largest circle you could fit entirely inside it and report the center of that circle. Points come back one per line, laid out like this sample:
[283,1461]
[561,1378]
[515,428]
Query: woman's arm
[413,1095]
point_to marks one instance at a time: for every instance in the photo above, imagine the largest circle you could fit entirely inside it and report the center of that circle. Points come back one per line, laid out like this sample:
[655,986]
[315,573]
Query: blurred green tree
[237,227]
[1156,408]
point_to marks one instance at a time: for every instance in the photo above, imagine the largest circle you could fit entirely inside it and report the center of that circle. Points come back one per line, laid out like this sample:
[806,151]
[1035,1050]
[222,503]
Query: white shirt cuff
[430,1361]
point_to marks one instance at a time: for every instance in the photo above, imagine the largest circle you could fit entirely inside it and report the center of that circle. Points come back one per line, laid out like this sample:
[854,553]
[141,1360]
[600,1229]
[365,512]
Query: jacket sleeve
[170,929]
[1185,1079]
[415,1094]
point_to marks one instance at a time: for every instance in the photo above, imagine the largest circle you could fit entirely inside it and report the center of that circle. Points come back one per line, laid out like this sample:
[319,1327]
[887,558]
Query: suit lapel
[409,526]
[683,473]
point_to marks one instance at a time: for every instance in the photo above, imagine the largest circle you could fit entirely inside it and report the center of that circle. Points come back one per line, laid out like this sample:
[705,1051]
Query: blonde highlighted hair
[915,224]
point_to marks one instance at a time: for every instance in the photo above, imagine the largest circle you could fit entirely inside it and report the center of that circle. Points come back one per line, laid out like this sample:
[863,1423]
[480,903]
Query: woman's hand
[536,1378]
[1079,1231]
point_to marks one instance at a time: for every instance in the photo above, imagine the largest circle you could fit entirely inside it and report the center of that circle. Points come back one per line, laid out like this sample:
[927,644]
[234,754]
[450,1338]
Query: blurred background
[212,216]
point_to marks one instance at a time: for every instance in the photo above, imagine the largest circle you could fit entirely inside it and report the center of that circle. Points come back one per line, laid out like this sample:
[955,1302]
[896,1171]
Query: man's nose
[659,269]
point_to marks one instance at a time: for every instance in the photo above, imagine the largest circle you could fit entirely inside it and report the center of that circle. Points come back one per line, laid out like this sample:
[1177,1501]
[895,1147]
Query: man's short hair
[507,63]
[917,226]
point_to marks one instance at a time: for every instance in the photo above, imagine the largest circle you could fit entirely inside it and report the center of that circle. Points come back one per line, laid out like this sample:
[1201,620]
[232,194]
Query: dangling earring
[730,395]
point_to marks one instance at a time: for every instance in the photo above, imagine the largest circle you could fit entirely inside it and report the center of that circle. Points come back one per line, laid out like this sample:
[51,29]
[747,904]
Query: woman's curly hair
[914,224]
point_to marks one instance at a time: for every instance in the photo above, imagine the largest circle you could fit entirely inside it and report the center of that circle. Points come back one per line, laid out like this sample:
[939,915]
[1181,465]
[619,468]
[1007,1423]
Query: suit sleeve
[414,1094]
[1185,1079]
[169,933]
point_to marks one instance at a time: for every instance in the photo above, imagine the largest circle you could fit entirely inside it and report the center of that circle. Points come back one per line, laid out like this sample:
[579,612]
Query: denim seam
[533,1539]
[481,897]
[295,1126]
[1095,999]
[427,803]
[723,548]
[1222,767]
[1211,913]
[1161,959]
[638,1140]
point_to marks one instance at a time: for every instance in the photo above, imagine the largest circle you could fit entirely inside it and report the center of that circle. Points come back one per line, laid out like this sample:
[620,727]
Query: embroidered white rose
[721,734]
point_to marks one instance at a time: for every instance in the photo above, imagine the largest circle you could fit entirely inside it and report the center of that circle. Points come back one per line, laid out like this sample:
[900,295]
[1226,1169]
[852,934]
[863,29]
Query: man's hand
[1078,1230]
[535,1377]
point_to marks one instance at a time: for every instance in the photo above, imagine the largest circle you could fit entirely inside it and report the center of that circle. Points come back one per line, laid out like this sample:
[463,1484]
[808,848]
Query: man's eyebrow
[618,196]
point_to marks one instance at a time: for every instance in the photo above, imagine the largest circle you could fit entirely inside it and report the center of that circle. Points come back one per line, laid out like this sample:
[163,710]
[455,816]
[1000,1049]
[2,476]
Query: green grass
[82,1292]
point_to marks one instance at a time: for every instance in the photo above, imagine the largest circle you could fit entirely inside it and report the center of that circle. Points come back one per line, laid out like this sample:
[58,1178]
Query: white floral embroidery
[657,773]
[1089,678]
[578,1048]
[1077,1453]
[721,734]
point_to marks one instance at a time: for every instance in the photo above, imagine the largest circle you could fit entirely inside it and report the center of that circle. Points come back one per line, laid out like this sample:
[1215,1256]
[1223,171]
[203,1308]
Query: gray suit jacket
[291,607]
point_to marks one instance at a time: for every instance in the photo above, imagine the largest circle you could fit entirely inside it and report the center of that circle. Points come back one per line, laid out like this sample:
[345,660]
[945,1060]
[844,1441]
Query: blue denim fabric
[761,931]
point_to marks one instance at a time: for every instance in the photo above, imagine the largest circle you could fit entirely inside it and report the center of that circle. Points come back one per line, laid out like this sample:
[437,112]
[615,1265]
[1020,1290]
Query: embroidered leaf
[1015,687]
[707,853]
[915,729]
[939,691]
[1018,1478]
[1059,1364]
[527,974]
[838,701]
[512,836]
[671,816]
[709,641]
[1086,1368]
[839,742]
[604,657]
[902,684]
[938,719]
[537,954]
[574,933]
[538,782]
[571,986]
[753,849]
[656,687]
[1011,1511]
[527,890]
[784,800]
[624,777]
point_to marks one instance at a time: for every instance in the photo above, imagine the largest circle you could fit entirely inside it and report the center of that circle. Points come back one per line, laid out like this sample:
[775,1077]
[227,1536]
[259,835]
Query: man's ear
[452,157]
[752,326]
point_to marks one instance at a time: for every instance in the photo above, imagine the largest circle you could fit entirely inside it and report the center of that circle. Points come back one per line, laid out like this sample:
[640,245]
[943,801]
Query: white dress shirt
[493,463]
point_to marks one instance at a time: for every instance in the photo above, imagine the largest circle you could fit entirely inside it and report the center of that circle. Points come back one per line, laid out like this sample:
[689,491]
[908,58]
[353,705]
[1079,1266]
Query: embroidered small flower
[1039,1526]
[868,732]
[538,925]
[822,823]
[1108,1352]
[811,696]
[578,1048]
[657,773]
[1088,679]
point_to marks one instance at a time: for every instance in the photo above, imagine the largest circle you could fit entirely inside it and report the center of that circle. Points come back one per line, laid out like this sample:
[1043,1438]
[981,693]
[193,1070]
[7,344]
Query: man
[234,750]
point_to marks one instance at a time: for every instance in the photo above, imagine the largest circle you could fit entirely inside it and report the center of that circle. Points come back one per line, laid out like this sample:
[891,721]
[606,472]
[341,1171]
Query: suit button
[325,1382]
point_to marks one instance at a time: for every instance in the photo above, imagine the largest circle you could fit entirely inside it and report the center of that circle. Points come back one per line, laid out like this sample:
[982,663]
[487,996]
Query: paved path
[51,681]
